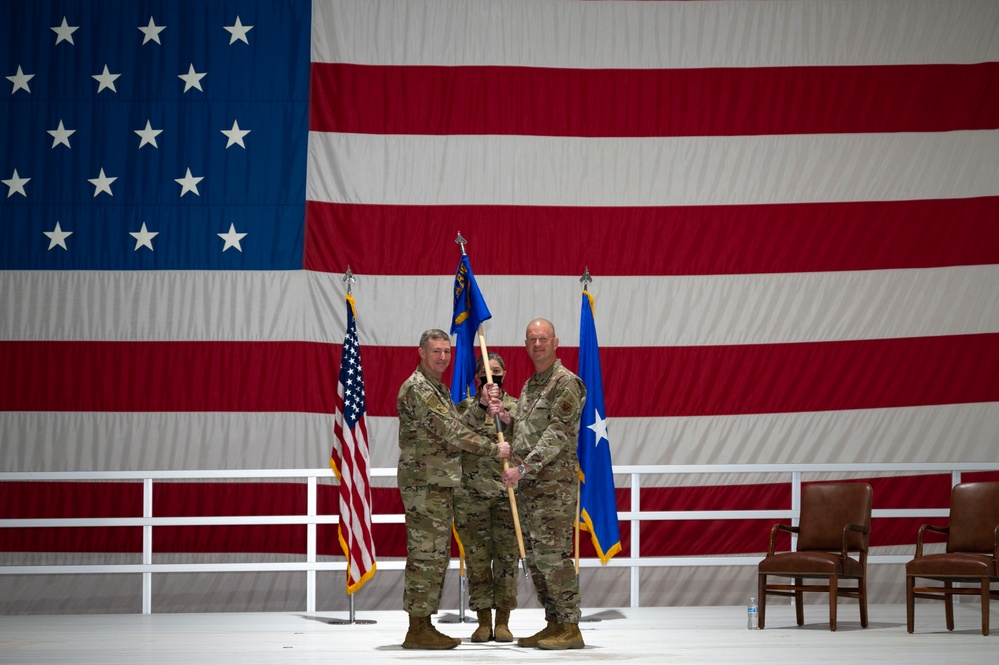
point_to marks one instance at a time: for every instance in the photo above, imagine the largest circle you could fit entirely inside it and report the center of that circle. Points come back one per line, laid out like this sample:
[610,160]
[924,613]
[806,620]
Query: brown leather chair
[971,555]
[835,521]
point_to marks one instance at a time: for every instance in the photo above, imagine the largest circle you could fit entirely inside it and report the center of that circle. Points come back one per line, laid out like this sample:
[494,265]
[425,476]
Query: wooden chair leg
[910,603]
[833,600]
[985,606]
[862,585]
[799,606]
[949,604]
[761,599]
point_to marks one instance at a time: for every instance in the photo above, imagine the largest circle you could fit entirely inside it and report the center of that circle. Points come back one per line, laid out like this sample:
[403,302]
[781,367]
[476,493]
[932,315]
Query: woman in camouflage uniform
[484,519]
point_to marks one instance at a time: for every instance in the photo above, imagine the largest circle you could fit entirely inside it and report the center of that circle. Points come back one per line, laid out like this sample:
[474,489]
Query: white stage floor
[645,635]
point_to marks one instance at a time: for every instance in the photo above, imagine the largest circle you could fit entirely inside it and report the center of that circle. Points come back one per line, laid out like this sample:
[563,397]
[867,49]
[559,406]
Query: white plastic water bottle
[753,614]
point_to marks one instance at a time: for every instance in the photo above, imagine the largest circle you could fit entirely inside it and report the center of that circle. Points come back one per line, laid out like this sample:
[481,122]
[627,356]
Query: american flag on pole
[350,462]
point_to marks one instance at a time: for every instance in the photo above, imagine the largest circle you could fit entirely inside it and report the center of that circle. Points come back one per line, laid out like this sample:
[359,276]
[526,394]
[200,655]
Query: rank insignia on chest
[437,405]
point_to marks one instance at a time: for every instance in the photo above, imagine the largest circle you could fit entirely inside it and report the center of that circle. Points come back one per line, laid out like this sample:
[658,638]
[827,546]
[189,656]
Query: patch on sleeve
[568,404]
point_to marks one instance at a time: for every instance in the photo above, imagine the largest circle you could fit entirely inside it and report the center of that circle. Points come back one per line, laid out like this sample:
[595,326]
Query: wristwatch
[522,470]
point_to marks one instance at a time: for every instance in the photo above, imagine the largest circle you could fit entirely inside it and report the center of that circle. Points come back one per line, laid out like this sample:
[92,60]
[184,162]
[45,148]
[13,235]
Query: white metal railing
[311,519]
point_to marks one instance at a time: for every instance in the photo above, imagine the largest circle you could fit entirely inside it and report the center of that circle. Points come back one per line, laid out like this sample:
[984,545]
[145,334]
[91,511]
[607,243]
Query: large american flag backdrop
[790,211]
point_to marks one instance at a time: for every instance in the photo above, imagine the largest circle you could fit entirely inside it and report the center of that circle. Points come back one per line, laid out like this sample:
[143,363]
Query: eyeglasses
[537,340]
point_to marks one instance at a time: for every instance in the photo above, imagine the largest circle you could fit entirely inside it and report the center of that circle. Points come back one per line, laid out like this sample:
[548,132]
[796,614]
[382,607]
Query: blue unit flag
[469,312]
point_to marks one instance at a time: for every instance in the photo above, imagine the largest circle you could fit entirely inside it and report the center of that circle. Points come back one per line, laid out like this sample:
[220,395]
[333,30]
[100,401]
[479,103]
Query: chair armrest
[995,546]
[928,527]
[846,535]
[773,535]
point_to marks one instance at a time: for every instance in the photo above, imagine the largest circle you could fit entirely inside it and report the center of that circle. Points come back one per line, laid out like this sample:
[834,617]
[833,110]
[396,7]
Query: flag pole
[575,528]
[462,584]
[585,281]
[348,279]
[506,463]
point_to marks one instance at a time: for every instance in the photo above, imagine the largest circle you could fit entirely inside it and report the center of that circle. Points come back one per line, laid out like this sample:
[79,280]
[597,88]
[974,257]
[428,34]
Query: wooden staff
[506,463]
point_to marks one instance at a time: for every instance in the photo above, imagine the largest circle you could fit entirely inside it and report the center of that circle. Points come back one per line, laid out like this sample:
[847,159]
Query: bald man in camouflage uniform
[484,519]
[431,436]
[544,439]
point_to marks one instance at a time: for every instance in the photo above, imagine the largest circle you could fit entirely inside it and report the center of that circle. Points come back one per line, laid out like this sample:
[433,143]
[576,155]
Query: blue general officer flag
[469,312]
[598,508]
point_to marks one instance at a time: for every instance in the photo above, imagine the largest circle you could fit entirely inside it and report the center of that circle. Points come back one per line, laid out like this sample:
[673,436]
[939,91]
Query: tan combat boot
[502,632]
[442,636]
[423,635]
[484,632]
[566,637]
[532,641]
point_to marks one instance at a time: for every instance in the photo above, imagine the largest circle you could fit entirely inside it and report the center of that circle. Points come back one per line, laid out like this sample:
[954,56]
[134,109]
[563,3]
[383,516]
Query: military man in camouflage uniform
[431,436]
[544,439]
[484,519]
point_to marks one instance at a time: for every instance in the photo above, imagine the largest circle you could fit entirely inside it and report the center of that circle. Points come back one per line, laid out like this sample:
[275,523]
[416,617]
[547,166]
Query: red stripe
[760,378]
[683,538]
[693,240]
[687,381]
[382,99]
[753,378]
[168,376]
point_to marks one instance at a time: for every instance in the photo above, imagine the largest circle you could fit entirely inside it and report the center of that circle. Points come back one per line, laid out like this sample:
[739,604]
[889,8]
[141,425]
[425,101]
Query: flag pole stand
[461,617]
[352,619]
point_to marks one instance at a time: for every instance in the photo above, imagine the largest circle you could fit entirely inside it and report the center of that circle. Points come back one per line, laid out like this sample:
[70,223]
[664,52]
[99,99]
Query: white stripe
[171,306]
[155,305]
[653,35]
[739,309]
[72,441]
[99,441]
[631,311]
[571,171]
